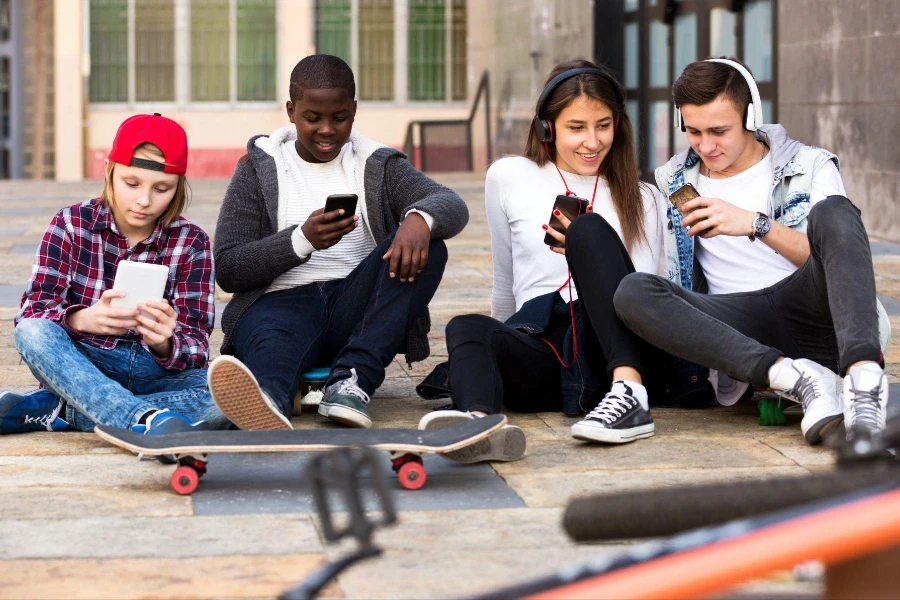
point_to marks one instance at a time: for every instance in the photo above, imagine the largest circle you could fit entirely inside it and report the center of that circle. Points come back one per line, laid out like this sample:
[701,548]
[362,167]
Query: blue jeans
[110,387]
[360,322]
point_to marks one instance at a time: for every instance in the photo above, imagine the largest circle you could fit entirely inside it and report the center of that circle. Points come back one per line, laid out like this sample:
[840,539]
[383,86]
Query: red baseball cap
[162,132]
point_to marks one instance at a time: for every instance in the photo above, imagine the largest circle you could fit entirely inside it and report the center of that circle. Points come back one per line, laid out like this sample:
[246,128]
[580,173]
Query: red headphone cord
[568,281]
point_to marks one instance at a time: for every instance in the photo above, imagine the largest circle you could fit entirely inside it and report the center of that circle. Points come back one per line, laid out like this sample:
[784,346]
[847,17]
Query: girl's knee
[36,335]
[467,328]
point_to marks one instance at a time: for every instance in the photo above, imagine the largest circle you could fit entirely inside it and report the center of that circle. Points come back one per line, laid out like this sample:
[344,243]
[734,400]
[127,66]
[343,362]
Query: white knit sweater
[519,197]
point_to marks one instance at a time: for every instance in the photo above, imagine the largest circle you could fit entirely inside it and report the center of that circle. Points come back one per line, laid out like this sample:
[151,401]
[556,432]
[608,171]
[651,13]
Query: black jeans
[493,365]
[358,322]
[825,311]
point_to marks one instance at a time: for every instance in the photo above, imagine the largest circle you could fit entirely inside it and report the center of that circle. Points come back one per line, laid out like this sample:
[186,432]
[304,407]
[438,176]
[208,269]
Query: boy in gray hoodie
[340,288]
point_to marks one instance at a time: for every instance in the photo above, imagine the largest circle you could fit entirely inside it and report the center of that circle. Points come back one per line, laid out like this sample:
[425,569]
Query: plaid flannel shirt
[76,262]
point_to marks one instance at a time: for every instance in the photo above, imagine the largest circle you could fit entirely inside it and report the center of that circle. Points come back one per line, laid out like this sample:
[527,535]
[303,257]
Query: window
[400,50]
[182,51]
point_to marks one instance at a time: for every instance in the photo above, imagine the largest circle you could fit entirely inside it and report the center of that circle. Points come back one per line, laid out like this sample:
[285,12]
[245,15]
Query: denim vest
[795,166]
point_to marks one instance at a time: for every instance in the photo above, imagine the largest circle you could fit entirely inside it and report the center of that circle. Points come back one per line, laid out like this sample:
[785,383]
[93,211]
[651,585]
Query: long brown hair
[619,167]
[180,200]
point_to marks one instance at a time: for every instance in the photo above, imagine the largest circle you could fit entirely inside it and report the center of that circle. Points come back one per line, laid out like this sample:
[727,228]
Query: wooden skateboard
[190,449]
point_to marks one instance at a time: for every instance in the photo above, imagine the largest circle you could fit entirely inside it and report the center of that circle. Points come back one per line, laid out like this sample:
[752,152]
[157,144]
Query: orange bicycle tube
[832,536]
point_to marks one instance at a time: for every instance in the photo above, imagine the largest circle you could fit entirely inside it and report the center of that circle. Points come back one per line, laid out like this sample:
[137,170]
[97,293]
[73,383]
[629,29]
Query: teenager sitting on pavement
[140,368]
[523,357]
[314,288]
[781,251]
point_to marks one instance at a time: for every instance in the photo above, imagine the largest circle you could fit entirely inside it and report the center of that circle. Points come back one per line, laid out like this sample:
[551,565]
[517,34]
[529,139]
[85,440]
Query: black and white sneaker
[618,419]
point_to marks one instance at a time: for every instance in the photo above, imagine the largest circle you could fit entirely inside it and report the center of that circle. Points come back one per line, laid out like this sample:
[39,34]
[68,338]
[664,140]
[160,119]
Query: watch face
[761,225]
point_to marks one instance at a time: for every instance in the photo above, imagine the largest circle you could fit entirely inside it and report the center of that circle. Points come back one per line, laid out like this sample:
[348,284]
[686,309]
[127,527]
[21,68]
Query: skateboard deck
[406,445]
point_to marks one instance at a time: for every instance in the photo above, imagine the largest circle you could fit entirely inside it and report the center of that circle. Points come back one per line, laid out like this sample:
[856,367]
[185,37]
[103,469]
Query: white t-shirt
[307,185]
[519,197]
[734,264]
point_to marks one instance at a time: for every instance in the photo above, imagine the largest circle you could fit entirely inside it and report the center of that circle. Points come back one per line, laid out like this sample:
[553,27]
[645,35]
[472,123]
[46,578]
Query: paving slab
[50,503]
[655,453]
[276,483]
[158,578]
[880,248]
[11,295]
[172,537]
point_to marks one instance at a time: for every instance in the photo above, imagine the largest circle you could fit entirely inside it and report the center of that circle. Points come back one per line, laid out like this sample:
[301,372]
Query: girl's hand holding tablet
[103,319]
[156,322]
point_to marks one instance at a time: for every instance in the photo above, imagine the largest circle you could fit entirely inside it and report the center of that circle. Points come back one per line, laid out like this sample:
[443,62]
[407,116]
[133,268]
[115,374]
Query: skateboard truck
[338,475]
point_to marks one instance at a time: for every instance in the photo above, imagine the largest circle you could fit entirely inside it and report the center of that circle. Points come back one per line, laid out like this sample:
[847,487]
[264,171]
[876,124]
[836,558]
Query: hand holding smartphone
[571,207]
[682,195]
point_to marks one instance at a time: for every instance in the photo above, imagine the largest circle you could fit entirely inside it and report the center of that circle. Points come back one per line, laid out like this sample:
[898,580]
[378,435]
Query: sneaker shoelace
[611,407]
[805,389]
[866,408]
[46,421]
[348,386]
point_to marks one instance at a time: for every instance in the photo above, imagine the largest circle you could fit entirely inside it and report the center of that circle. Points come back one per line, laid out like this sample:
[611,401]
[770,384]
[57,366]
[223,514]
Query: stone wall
[839,88]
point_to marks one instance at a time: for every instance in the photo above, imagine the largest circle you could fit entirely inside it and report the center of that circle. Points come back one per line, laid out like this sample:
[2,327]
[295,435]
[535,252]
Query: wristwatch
[760,226]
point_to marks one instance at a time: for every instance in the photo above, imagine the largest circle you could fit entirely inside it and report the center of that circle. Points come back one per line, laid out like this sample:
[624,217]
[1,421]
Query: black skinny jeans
[493,365]
[824,311]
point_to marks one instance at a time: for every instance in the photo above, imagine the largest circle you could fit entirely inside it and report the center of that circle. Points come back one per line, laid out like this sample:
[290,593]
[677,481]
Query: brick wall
[839,88]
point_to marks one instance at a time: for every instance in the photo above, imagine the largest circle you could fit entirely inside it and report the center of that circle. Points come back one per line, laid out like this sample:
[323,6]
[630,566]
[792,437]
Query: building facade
[72,70]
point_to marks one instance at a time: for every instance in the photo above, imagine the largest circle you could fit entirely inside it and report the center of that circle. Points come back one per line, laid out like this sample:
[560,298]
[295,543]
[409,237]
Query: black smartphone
[345,201]
[683,194]
[571,206]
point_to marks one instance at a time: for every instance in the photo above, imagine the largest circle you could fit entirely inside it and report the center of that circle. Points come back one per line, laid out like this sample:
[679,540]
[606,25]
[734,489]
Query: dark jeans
[825,311]
[493,365]
[358,322]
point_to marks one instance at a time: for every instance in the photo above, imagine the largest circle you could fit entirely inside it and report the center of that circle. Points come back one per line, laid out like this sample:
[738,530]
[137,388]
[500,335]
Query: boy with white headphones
[769,275]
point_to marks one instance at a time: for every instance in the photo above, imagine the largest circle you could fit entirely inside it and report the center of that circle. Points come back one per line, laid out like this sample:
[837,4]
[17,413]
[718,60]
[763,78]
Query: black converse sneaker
[618,419]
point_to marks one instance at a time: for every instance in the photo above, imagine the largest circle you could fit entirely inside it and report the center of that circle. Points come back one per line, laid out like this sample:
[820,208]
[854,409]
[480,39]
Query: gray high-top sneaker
[815,388]
[865,402]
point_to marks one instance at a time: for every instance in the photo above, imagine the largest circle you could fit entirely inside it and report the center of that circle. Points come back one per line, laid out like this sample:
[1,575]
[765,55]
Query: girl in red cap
[141,368]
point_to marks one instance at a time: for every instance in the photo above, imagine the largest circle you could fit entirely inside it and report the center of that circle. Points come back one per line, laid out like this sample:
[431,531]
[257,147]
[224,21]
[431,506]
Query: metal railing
[447,145]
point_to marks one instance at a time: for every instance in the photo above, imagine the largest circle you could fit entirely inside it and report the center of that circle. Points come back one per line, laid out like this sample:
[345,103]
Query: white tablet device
[140,281]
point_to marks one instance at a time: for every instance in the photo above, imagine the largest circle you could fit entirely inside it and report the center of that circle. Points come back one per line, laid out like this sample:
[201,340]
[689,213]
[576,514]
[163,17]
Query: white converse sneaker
[815,388]
[865,400]
[236,392]
[505,444]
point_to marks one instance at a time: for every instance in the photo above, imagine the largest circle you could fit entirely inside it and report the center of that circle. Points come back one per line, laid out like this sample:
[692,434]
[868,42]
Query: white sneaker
[236,392]
[865,400]
[815,388]
[506,444]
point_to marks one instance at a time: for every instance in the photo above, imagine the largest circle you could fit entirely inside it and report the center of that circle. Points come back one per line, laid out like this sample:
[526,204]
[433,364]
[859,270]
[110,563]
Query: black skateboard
[406,446]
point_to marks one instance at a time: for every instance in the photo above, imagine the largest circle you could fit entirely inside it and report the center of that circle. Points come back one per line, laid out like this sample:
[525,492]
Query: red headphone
[543,127]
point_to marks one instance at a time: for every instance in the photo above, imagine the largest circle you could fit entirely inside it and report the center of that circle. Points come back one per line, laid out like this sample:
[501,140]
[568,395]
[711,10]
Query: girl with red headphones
[553,341]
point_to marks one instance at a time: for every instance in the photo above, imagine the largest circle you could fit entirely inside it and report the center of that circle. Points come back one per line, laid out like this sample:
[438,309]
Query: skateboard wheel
[771,412]
[185,480]
[412,475]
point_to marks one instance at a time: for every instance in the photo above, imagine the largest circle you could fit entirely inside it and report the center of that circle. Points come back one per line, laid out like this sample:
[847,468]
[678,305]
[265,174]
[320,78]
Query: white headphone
[754,116]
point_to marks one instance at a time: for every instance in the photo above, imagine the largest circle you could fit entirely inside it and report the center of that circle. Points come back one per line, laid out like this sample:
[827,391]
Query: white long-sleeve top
[519,198]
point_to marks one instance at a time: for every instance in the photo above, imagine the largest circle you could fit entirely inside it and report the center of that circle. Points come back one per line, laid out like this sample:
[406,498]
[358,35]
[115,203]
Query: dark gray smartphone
[683,194]
[571,206]
[345,201]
